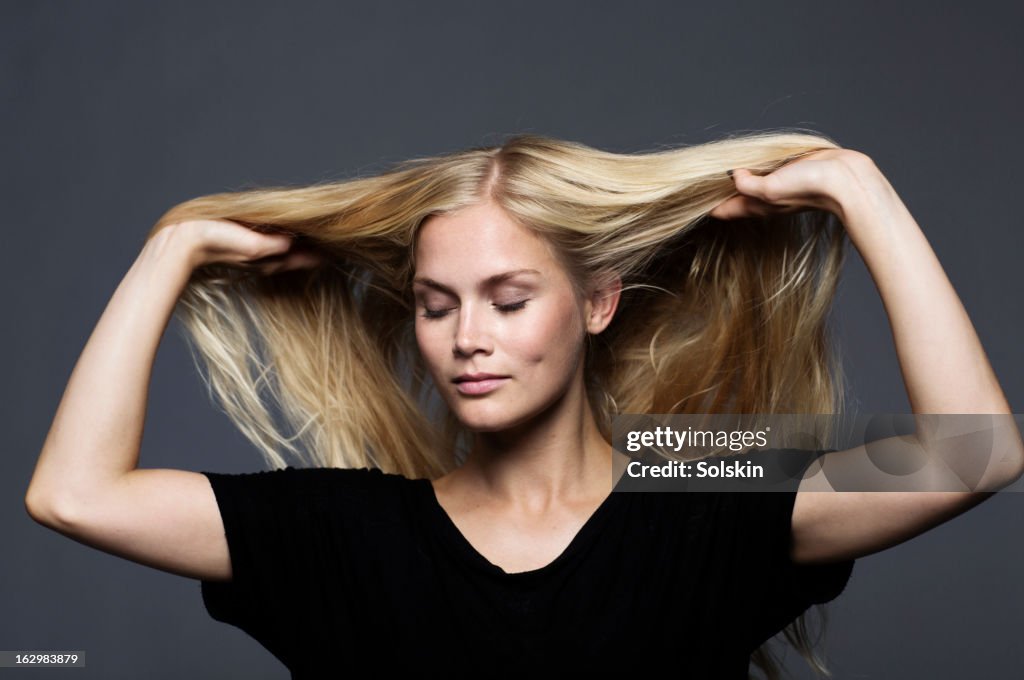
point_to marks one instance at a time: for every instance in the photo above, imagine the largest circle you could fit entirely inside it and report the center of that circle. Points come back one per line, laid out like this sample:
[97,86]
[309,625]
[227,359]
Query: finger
[264,253]
[297,259]
[260,246]
[748,183]
[738,207]
[279,243]
[763,187]
[303,259]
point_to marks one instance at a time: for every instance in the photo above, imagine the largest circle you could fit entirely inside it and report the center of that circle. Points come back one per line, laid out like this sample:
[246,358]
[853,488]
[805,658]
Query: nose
[470,334]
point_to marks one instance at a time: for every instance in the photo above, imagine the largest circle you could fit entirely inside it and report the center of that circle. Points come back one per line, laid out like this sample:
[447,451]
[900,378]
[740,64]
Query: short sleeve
[276,526]
[775,590]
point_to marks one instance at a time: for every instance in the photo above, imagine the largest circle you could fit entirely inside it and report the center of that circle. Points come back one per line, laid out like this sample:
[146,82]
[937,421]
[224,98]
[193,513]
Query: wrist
[174,250]
[863,194]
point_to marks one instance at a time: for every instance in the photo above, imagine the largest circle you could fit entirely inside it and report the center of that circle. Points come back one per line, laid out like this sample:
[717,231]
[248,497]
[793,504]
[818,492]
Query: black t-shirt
[338,569]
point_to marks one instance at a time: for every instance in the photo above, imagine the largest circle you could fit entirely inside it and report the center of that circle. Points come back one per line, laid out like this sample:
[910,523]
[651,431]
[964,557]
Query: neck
[559,455]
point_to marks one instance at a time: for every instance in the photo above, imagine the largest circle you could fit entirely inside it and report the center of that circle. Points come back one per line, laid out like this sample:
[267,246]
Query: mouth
[479,383]
[476,377]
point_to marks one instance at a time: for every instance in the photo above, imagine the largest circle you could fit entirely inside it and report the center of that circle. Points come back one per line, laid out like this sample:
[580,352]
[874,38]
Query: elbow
[1017,473]
[1017,455]
[34,505]
[1014,464]
[43,509]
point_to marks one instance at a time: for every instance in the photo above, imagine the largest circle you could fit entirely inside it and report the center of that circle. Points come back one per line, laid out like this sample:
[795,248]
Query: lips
[479,383]
[477,377]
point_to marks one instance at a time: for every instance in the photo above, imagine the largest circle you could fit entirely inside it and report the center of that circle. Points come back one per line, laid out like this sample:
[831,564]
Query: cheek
[430,343]
[553,337]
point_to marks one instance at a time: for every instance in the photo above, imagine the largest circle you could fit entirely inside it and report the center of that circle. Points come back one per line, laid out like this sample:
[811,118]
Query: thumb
[277,243]
[746,181]
[762,187]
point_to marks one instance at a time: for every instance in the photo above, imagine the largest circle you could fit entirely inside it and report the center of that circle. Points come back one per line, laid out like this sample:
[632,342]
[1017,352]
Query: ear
[602,302]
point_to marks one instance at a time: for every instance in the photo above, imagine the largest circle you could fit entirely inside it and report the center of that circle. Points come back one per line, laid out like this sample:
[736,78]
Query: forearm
[97,430]
[944,366]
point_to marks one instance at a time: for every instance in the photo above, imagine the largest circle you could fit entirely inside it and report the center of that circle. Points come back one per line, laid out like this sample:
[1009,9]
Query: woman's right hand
[220,241]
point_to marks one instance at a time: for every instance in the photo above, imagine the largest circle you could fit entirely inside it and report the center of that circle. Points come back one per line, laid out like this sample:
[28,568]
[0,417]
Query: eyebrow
[489,281]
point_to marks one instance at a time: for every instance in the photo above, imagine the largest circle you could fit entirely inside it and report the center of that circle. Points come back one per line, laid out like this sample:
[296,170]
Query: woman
[450,341]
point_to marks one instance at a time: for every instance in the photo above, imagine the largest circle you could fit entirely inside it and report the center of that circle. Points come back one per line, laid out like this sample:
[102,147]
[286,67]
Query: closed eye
[434,313]
[504,309]
[512,306]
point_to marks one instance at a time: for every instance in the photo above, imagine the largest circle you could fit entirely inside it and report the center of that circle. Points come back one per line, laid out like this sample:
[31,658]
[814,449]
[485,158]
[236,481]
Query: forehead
[478,239]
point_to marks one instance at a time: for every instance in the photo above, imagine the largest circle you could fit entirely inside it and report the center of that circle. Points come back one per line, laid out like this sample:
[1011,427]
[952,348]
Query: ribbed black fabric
[336,570]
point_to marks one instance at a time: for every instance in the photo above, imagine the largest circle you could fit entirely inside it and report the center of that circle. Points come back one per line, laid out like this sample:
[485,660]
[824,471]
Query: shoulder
[308,482]
[362,475]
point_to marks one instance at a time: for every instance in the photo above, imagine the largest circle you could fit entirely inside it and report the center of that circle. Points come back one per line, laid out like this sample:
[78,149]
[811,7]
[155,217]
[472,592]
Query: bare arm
[944,366]
[945,371]
[86,484]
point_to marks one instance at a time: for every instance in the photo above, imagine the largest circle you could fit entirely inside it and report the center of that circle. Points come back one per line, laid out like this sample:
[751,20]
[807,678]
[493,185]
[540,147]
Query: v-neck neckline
[454,535]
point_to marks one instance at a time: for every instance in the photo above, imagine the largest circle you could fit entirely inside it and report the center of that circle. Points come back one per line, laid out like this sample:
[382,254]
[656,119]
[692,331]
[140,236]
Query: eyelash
[504,309]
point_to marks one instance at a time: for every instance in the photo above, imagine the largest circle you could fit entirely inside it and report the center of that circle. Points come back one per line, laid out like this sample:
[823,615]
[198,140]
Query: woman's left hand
[811,182]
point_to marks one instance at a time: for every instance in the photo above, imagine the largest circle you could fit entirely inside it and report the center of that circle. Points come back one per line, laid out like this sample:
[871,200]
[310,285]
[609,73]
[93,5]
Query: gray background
[115,112]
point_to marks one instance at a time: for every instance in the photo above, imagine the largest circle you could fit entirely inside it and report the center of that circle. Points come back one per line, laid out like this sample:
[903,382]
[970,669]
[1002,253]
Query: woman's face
[491,299]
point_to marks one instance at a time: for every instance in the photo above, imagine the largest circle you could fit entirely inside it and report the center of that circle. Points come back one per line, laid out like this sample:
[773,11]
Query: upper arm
[166,519]
[830,525]
[852,524]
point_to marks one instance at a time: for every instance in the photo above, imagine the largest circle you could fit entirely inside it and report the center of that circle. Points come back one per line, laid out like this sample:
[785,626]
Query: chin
[490,417]
[478,422]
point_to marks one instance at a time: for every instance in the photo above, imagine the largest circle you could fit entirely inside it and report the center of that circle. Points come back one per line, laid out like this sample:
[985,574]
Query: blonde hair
[715,317]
